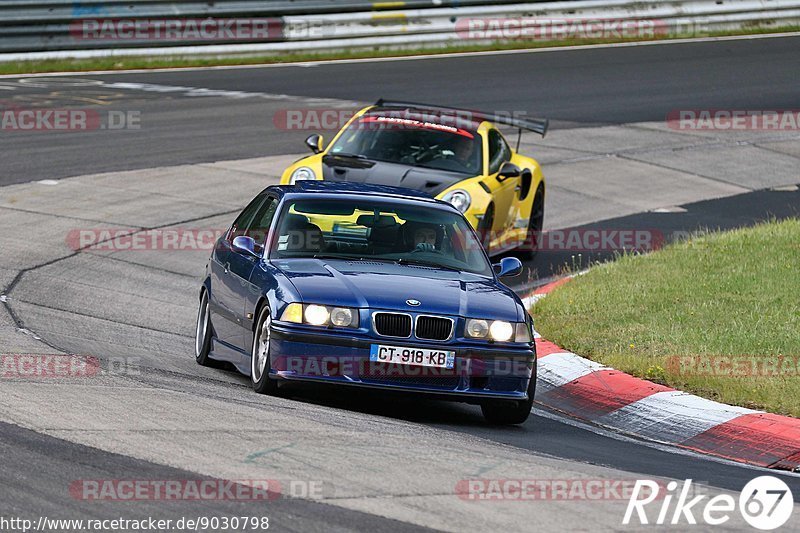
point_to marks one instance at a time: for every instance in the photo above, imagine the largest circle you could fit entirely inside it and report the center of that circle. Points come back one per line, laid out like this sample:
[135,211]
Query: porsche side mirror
[314,142]
[245,245]
[508,170]
[508,267]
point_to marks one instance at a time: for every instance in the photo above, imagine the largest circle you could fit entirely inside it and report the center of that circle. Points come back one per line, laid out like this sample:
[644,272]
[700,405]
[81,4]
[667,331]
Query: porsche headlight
[497,330]
[300,174]
[459,198]
[320,315]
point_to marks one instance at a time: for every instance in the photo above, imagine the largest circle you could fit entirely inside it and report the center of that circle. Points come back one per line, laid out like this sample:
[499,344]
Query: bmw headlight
[501,331]
[300,174]
[459,198]
[316,315]
[498,330]
[320,315]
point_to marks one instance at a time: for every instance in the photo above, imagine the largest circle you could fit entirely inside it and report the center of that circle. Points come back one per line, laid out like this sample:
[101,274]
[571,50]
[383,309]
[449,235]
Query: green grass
[720,294]
[79,65]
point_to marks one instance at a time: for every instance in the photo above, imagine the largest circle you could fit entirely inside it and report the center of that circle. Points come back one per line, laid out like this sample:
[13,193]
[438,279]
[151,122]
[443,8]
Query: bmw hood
[380,285]
[431,181]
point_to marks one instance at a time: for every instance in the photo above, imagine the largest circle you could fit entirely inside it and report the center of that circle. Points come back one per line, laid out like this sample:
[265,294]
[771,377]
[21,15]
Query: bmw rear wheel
[260,360]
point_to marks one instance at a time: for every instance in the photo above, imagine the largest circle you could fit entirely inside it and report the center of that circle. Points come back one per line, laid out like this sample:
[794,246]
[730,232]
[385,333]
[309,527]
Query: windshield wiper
[432,264]
[338,256]
[349,156]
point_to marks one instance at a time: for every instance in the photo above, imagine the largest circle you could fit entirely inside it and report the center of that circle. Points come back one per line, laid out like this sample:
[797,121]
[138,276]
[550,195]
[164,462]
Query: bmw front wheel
[202,340]
[260,360]
[507,412]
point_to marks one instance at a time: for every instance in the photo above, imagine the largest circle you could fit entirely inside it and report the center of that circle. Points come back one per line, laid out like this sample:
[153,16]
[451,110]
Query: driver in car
[420,236]
[463,150]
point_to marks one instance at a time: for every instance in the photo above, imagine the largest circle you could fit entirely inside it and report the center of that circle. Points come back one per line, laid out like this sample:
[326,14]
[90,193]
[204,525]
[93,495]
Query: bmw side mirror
[508,170]
[245,245]
[508,267]
[314,142]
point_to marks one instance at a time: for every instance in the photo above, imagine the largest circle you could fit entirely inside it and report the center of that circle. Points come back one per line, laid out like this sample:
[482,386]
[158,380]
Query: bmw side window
[259,228]
[499,152]
[245,218]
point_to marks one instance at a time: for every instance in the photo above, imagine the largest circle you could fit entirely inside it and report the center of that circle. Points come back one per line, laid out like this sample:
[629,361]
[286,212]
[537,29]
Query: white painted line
[48,182]
[29,333]
[419,57]
[616,435]
[671,416]
[560,368]
[4,298]
[528,301]
[672,209]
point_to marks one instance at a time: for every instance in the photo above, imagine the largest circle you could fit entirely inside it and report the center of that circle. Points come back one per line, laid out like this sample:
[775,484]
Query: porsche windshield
[409,141]
[372,230]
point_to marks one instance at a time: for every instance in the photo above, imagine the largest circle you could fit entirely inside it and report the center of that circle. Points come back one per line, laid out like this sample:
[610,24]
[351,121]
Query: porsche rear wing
[536,125]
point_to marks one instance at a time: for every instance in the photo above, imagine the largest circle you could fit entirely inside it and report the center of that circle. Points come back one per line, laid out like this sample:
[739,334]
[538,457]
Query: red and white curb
[589,391]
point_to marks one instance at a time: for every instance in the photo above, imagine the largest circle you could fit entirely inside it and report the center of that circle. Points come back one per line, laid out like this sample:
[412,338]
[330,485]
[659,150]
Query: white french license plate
[412,356]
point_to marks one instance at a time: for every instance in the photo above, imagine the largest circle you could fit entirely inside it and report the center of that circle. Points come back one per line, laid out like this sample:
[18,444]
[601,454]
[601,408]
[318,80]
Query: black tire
[203,332]
[508,412]
[535,225]
[485,227]
[260,355]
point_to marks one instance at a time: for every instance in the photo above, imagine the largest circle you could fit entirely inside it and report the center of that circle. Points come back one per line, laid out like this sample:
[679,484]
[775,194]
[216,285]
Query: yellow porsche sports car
[456,155]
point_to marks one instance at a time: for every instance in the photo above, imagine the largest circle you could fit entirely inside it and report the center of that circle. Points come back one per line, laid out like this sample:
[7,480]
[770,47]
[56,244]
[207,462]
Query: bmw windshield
[409,141]
[355,229]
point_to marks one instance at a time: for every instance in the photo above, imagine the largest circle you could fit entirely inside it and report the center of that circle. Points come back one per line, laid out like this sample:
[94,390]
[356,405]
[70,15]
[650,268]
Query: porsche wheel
[485,227]
[535,224]
[260,360]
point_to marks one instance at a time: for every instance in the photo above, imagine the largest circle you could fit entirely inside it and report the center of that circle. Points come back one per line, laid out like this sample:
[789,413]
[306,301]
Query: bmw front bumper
[481,370]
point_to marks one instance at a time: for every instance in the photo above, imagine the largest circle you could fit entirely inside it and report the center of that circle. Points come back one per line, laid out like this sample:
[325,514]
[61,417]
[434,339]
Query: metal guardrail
[37,25]
[55,11]
[41,29]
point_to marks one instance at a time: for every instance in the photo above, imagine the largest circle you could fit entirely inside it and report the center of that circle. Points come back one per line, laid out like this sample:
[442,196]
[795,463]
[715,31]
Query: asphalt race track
[595,86]
[384,464]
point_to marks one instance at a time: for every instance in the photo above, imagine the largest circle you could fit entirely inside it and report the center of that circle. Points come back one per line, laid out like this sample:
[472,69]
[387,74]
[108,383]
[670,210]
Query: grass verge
[127,63]
[717,315]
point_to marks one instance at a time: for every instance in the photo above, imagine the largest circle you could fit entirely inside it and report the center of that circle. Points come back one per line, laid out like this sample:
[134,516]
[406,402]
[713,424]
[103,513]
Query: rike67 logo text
[765,503]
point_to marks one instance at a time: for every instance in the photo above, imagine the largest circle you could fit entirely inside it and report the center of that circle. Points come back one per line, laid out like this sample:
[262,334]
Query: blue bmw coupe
[366,286]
